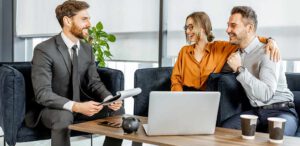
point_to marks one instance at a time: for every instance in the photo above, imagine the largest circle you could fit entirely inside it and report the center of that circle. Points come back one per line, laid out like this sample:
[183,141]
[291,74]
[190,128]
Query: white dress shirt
[69,105]
[70,44]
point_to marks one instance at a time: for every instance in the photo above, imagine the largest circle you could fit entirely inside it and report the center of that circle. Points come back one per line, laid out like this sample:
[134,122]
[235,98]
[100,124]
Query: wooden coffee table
[222,136]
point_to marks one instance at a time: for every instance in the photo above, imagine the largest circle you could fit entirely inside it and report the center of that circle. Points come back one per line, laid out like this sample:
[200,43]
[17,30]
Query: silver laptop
[182,113]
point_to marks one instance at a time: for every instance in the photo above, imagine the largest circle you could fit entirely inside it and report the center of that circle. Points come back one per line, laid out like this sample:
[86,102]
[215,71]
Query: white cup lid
[249,116]
[276,119]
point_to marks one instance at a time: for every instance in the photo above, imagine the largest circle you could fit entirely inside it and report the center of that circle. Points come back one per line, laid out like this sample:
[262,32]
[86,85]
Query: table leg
[136,143]
[91,139]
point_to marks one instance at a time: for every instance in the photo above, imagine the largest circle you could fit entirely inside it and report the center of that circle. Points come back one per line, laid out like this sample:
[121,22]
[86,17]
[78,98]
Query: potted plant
[99,39]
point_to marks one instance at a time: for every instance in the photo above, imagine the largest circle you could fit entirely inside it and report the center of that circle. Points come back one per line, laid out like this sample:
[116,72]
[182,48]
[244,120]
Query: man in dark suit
[63,67]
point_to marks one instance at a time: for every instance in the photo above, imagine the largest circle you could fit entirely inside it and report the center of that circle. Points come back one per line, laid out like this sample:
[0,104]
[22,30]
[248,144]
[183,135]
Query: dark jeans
[262,122]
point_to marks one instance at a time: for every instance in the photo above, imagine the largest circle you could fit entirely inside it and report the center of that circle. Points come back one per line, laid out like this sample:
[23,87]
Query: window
[284,28]
[136,26]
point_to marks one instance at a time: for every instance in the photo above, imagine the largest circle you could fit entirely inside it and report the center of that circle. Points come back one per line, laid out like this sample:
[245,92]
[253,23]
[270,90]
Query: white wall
[135,23]
[37,17]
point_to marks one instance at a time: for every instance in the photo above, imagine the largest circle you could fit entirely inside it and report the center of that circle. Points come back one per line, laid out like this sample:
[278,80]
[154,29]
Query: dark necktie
[75,75]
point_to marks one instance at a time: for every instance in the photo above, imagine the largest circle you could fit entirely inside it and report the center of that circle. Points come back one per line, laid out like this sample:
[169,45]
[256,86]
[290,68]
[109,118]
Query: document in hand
[121,95]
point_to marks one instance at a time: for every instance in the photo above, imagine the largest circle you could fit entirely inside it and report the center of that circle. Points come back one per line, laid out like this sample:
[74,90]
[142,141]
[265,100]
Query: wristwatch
[240,69]
[269,38]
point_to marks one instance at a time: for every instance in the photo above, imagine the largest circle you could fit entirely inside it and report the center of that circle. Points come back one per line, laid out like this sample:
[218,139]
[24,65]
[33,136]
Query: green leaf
[100,54]
[103,34]
[93,29]
[102,64]
[97,34]
[102,43]
[99,40]
[111,38]
[99,26]
[90,31]
[107,53]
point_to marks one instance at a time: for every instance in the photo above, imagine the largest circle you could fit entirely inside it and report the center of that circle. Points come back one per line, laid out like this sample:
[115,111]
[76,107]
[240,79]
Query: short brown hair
[246,12]
[69,8]
[201,20]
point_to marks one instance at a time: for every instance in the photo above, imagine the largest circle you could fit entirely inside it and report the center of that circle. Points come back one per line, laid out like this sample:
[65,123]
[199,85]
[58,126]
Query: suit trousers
[59,120]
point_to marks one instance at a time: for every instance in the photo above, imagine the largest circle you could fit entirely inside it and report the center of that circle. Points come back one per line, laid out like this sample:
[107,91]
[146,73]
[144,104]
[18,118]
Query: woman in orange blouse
[195,62]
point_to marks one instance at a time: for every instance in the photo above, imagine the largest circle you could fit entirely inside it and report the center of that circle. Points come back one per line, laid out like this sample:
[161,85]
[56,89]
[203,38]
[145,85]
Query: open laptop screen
[182,113]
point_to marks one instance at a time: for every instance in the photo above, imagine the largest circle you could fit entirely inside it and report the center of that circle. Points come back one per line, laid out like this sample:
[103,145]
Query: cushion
[12,102]
[25,69]
[233,98]
[150,79]
[297,101]
[293,81]
[112,78]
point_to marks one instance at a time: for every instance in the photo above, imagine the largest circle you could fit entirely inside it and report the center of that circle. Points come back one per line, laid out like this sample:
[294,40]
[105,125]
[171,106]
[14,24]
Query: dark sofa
[17,97]
[158,79]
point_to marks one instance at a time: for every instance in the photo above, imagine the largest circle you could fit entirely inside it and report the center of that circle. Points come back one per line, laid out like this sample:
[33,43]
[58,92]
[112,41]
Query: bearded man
[63,67]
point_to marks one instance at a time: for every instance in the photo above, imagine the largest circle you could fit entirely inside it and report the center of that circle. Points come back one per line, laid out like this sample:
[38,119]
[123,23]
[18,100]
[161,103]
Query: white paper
[129,93]
[121,95]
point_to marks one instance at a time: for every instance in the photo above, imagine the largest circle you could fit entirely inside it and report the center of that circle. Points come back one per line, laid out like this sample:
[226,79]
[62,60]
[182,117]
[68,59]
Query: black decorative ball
[130,124]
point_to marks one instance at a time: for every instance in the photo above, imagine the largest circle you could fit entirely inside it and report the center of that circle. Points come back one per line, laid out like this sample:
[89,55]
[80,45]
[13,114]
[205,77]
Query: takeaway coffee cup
[276,129]
[248,124]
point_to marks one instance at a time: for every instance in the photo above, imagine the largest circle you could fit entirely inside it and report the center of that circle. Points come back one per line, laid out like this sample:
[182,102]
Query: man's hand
[234,61]
[88,108]
[272,50]
[115,105]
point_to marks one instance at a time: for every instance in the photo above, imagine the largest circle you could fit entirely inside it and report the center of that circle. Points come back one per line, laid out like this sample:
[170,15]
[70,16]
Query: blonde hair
[201,20]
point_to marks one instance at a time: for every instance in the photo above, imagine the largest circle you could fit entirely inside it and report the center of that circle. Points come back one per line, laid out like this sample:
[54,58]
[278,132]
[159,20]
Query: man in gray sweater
[263,80]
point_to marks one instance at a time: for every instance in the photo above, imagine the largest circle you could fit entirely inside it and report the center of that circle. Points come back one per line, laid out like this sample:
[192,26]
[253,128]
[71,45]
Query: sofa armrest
[113,79]
[12,102]
[293,81]
[150,79]
[233,99]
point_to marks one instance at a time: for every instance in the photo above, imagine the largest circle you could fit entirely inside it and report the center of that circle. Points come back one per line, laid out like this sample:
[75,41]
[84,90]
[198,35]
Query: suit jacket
[52,75]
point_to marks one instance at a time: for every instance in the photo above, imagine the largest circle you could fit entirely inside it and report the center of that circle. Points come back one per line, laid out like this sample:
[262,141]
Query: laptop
[182,113]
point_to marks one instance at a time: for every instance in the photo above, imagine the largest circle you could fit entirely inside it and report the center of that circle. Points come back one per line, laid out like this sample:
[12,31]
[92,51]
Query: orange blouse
[189,72]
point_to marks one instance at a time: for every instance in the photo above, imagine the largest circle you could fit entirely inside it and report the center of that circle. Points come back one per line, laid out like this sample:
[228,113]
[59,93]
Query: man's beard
[77,32]
[237,39]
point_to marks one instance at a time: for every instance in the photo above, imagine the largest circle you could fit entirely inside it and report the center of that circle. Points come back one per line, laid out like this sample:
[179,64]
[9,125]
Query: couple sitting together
[253,59]
[63,67]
